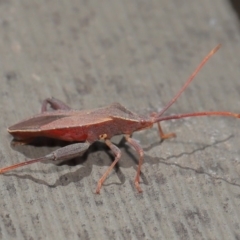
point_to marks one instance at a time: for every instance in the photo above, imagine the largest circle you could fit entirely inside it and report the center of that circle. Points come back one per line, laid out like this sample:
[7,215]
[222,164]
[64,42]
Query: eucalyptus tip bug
[88,126]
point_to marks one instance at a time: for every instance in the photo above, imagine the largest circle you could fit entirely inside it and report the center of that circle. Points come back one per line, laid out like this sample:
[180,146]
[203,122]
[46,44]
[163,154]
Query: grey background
[139,53]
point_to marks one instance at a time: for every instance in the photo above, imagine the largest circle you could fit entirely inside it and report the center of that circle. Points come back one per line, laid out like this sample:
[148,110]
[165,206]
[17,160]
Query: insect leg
[164,135]
[160,131]
[139,150]
[55,104]
[68,152]
[117,154]
[60,154]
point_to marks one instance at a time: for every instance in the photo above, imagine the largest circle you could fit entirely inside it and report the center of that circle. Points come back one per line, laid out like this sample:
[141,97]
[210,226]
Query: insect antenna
[159,117]
[197,114]
[174,99]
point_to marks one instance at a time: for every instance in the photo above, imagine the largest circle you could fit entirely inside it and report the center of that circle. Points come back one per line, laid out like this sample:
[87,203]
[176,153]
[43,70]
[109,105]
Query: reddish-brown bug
[88,126]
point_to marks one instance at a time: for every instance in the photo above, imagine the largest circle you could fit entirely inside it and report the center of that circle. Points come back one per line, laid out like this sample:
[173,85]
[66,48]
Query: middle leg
[140,151]
[55,104]
[117,154]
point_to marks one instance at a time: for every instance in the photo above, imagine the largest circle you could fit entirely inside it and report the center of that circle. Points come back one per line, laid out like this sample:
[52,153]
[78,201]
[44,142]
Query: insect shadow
[235,4]
[99,154]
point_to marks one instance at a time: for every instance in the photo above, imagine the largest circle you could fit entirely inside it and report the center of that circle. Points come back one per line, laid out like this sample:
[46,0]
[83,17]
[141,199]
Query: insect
[88,126]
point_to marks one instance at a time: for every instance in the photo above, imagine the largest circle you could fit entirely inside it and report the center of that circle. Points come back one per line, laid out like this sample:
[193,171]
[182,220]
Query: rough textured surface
[138,53]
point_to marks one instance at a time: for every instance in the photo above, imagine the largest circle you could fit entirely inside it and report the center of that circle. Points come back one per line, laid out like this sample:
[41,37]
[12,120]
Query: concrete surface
[139,53]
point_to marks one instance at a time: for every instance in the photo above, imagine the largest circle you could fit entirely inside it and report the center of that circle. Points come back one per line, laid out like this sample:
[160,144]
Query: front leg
[55,104]
[165,135]
[160,131]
